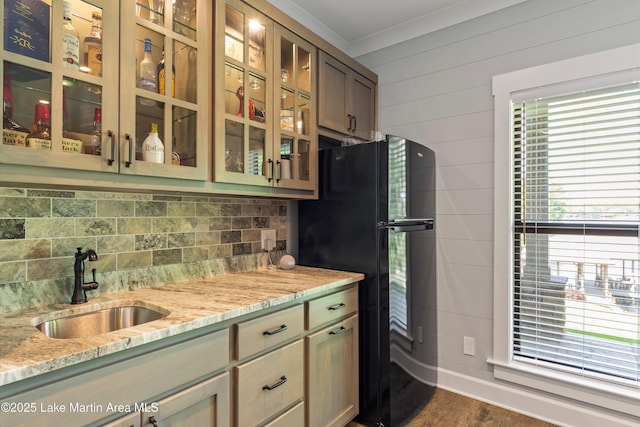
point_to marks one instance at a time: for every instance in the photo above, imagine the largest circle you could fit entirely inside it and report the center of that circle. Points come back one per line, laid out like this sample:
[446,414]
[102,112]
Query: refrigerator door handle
[408,224]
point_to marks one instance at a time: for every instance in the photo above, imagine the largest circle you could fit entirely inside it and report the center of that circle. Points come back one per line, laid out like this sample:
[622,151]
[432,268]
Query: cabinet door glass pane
[184,137]
[147,69]
[303,159]
[234,146]
[146,115]
[23,89]
[185,74]
[302,114]
[286,61]
[257,98]
[81,117]
[184,18]
[233,90]
[286,150]
[287,106]
[257,144]
[152,10]
[87,20]
[304,70]
[27,28]
[234,34]
[257,36]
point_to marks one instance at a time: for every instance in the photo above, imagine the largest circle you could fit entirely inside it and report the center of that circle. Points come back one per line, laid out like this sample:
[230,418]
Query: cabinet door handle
[113,148]
[152,421]
[279,166]
[282,328]
[336,307]
[283,380]
[355,124]
[350,117]
[270,175]
[340,330]
[131,154]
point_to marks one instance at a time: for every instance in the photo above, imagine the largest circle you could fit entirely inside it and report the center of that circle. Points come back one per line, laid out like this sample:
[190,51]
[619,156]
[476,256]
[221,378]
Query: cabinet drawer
[331,307]
[294,417]
[268,331]
[268,384]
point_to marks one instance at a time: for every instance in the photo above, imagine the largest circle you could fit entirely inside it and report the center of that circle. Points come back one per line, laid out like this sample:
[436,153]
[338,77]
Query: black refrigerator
[375,215]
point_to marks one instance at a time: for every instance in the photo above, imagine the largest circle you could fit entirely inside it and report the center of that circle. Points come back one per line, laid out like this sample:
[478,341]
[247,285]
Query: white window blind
[576,284]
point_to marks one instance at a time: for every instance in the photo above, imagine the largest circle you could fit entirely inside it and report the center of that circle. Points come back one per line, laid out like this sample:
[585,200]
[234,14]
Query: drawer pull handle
[152,421]
[283,380]
[337,306]
[340,330]
[282,328]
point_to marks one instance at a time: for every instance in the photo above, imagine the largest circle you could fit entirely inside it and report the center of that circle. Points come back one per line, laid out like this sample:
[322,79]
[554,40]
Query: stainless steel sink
[98,321]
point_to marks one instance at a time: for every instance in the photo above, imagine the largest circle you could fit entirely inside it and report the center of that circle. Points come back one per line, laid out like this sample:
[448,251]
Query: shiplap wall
[436,90]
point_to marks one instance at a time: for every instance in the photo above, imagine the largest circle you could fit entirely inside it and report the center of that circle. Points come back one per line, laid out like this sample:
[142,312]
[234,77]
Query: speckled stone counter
[25,352]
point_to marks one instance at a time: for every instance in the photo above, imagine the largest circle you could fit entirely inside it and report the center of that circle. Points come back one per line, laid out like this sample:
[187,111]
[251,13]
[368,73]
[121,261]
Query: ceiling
[361,26]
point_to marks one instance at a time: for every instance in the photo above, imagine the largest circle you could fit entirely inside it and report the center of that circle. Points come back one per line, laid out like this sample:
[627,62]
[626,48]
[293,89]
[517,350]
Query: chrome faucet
[80,287]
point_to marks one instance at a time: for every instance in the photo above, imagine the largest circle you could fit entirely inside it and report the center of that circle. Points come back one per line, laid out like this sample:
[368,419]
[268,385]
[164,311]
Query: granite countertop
[26,352]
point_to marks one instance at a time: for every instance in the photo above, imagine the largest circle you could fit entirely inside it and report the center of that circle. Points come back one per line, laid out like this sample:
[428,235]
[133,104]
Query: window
[571,173]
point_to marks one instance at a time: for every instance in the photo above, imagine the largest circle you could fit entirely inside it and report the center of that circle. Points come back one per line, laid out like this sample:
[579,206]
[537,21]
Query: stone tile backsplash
[41,229]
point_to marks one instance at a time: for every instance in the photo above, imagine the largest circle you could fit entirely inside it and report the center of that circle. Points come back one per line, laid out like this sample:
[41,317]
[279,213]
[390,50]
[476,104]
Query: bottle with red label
[40,137]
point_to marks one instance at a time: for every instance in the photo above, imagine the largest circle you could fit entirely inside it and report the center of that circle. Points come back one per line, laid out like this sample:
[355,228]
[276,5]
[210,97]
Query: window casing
[555,208]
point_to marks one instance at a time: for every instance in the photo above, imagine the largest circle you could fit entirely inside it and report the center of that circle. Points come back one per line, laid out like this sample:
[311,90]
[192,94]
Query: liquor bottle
[13,133]
[93,46]
[147,69]
[70,40]
[96,135]
[161,77]
[152,147]
[40,137]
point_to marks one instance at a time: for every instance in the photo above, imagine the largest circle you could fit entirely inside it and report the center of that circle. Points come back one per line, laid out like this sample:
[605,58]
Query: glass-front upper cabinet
[296,134]
[165,92]
[265,99]
[244,95]
[74,96]
[54,70]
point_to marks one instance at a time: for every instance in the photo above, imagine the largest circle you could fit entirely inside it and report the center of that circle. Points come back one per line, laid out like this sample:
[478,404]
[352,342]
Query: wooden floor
[446,409]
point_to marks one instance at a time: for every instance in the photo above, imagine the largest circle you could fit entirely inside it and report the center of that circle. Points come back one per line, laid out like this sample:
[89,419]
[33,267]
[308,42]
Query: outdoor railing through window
[576,175]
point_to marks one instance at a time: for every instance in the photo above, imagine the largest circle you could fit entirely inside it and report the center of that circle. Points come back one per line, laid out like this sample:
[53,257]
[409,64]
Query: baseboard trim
[550,408]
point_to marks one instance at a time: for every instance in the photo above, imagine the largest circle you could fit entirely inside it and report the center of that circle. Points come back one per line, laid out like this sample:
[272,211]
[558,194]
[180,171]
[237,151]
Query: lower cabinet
[96,392]
[332,368]
[269,384]
[293,367]
[204,404]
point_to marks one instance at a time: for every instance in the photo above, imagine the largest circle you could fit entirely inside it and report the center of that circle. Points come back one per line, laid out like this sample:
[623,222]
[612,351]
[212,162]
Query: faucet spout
[80,286]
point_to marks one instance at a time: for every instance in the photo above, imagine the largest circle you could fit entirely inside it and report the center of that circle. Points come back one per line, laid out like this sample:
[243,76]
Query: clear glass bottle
[152,147]
[147,69]
[13,133]
[93,46]
[161,77]
[96,135]
[70,40]
[40,137]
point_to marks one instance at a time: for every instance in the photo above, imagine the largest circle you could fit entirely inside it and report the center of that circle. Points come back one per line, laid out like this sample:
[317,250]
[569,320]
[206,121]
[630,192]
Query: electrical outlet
[469,346]
[268,239]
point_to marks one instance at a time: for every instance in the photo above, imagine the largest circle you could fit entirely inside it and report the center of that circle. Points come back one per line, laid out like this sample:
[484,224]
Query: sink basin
[98,321]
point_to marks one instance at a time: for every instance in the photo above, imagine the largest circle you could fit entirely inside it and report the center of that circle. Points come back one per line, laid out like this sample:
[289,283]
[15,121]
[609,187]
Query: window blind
[576,284]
